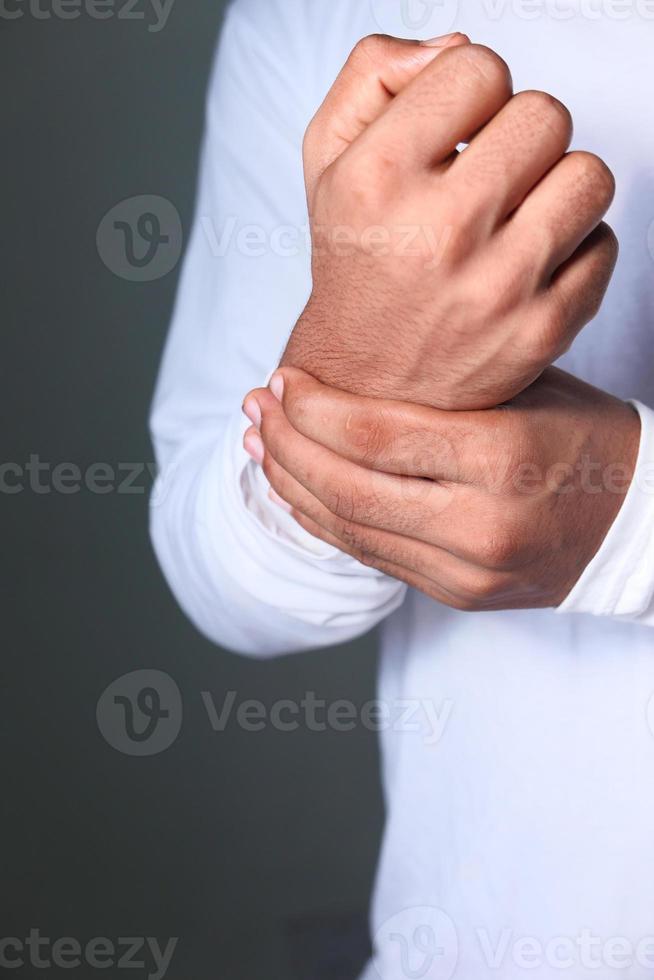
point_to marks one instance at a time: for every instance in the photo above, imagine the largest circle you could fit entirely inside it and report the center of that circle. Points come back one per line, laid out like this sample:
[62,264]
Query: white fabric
[527,820]
[619,581]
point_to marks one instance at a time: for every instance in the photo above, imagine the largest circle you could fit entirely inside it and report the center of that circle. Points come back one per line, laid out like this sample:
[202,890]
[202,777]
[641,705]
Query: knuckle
[356,539]
[593,306]
[609,241]
[497,549]
[548,111]
[567,314]
[593,176]
[370,50]
[599,274]
[371,45]
[341,499]
[366,509]
[486,65]
[299,403]
[368,437]
[477,589]
[462,605]
[609,249]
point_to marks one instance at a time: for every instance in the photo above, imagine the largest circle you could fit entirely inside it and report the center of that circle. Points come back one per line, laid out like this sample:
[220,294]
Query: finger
[405,505]
[361,539]
[391,436]
[468,522]
[432,570]
[443,106]
[513,152]
[579,286]
[481,595]
[427,586]
[378,68]
[561,212]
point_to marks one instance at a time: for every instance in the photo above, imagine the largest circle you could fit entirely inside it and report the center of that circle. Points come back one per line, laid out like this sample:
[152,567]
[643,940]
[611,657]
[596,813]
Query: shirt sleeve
[619,581]
[242,570]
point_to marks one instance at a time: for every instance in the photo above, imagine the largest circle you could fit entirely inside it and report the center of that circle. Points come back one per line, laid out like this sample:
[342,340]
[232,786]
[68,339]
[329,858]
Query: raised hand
[446,278]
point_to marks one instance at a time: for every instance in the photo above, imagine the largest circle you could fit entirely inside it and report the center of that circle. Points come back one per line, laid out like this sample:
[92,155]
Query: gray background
[256,850]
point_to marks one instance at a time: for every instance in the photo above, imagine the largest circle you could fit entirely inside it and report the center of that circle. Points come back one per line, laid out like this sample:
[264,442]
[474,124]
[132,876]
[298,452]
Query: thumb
[378,69]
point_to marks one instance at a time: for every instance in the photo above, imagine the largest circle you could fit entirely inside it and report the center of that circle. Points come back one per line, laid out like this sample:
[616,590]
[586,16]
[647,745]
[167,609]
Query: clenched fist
[446,278]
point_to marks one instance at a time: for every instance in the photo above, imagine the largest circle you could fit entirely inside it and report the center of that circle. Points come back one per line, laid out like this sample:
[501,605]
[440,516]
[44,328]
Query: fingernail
[276,499]
[439,42]
[252,410]
[254,446]
[276,385]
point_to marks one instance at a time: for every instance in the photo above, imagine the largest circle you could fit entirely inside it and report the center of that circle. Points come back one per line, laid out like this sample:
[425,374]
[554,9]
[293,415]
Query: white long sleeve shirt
[520,828]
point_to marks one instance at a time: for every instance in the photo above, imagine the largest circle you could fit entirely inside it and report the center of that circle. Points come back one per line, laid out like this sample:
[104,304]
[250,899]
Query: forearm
[243,579]
[247,576]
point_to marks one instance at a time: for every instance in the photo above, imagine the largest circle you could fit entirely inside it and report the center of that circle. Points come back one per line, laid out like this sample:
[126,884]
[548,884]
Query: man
[444,282]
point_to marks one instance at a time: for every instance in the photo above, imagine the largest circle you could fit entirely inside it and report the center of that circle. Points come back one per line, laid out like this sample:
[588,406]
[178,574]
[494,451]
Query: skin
[444,278]
[381,432]
[495,509]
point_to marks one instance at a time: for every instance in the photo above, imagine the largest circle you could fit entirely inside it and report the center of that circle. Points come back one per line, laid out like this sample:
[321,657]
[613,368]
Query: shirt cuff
[619,581]
[274,560]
